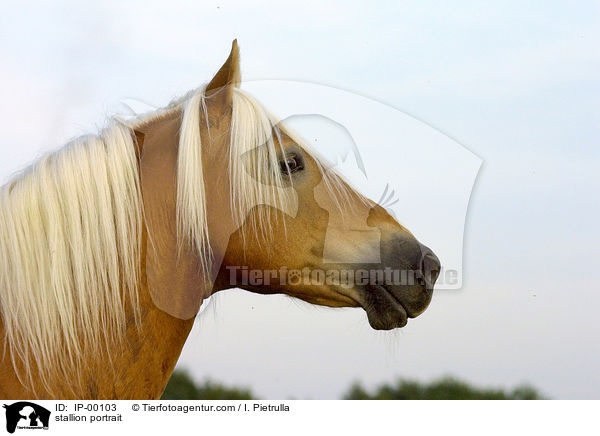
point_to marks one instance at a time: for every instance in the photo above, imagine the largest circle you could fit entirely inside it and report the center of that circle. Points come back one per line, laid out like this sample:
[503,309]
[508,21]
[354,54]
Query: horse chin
[384,311]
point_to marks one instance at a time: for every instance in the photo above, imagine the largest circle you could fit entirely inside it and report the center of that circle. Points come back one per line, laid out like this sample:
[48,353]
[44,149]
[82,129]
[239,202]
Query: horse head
[260,210]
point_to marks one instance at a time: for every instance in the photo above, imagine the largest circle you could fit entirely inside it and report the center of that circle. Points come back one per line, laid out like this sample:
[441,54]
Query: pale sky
[516,83]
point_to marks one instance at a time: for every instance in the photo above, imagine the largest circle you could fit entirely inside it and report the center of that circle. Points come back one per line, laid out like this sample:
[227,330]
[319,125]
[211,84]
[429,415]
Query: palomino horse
[109,246]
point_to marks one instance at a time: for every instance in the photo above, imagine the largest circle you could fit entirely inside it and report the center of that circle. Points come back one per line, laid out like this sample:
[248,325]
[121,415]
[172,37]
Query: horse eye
[291,164]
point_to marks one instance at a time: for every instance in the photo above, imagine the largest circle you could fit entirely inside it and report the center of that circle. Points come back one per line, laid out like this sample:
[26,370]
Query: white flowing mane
[70,230]
[69,247]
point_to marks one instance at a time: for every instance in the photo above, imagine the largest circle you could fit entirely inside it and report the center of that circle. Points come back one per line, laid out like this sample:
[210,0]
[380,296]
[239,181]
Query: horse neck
[141,363]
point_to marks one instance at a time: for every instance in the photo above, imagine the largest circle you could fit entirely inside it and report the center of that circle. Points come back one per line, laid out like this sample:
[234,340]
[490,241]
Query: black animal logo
[33,416]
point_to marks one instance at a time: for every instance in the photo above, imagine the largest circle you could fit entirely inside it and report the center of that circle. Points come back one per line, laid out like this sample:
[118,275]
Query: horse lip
[396,299]
[383,321]
[412,310]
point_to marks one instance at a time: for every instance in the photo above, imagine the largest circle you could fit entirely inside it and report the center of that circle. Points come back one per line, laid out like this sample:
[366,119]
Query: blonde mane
[70,229]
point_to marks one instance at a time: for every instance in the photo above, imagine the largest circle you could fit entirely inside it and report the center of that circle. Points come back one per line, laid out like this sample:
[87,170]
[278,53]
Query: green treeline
[182,387]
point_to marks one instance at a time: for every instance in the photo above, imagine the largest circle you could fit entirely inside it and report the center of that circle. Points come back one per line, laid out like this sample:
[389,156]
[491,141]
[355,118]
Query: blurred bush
[446,388]
[181,386]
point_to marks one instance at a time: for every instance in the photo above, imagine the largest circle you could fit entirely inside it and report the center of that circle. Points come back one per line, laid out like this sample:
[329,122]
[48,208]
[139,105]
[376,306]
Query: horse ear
[229,76]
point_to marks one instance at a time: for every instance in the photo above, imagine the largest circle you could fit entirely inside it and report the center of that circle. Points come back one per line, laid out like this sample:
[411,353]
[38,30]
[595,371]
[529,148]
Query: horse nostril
[430,266]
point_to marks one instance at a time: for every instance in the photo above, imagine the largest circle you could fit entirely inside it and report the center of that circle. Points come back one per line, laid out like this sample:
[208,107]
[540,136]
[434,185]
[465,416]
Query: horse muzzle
[405,287]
